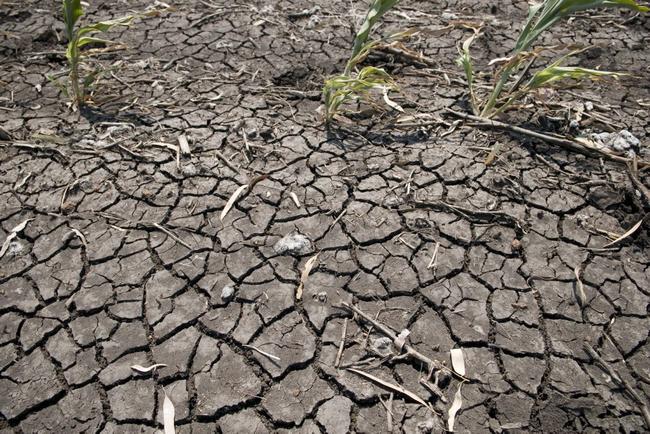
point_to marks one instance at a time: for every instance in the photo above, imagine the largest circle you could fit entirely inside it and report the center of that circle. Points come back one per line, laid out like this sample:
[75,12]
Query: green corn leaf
[553,73]
[544,15]
[104,26]
[85,40]
[377,9]
[465,61]
[72,11]
[342,88]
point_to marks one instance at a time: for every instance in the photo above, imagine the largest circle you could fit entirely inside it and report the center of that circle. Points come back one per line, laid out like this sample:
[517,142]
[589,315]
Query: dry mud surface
[124,258]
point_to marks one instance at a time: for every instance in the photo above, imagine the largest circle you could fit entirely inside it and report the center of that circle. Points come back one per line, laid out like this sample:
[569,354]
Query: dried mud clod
[118,258]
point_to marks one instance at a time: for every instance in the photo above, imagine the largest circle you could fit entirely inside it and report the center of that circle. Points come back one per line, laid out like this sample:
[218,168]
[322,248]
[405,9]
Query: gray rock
[383,346]
[294,244]
[227,293]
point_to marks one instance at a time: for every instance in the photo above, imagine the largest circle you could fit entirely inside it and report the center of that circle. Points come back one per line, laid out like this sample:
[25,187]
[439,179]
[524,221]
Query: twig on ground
[621,382]
[409,350]
[339,354]
[571,145]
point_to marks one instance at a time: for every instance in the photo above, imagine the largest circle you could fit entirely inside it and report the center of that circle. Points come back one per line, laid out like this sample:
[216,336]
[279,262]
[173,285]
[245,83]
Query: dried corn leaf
[632,230]
[294,197]
[185,147]
[458,361]
[14,233]
[144,370]
[168,415]
[455,406]
[232,200]
[305,273]
[392,386]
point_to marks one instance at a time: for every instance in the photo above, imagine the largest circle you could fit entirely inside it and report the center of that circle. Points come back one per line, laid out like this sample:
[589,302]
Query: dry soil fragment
[294,244]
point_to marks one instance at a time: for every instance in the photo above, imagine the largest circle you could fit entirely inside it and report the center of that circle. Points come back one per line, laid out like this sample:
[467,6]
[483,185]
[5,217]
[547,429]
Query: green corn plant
[541,17]
[465,61]
[352,84]
[553,73]
[78,37]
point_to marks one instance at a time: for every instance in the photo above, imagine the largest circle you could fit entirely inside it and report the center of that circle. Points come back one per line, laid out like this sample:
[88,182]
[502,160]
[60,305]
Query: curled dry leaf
[305,273]
[232,200]
[168,415]
[392,104]
[144,370]
[14,233]
[632,230]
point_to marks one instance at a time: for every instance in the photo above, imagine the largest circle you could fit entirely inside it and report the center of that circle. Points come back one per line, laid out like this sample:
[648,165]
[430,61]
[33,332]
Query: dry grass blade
[632,230]
[79,235]
[395,387]
[14,233]
[169,414]
[305,274]
[232,201]
[144,370]
[264,353]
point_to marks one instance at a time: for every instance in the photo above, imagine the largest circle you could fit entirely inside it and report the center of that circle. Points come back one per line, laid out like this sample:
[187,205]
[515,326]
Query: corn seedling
[541,17]
[353,84]
[78,37]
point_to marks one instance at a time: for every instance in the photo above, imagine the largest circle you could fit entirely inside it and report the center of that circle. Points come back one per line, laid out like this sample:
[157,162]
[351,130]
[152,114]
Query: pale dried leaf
[168,415]
[184,145]
[500,60]
[401,339]
[390,102]
[392,386]
[455,406]
[144,370]
[14,233]
[632,230]
[458,361]
[305,273]
[294,196]
[232,200]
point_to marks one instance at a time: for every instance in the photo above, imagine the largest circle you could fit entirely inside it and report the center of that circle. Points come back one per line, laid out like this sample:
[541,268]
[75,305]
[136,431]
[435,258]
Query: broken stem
[620,381]
[561,141]
[410,351]
[344,333]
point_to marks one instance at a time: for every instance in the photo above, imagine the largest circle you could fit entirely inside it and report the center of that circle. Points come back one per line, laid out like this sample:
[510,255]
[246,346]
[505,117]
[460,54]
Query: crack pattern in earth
[125,259]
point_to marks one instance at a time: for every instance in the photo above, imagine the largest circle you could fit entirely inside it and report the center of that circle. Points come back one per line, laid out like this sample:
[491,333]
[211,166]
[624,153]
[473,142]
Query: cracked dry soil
[124,259]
